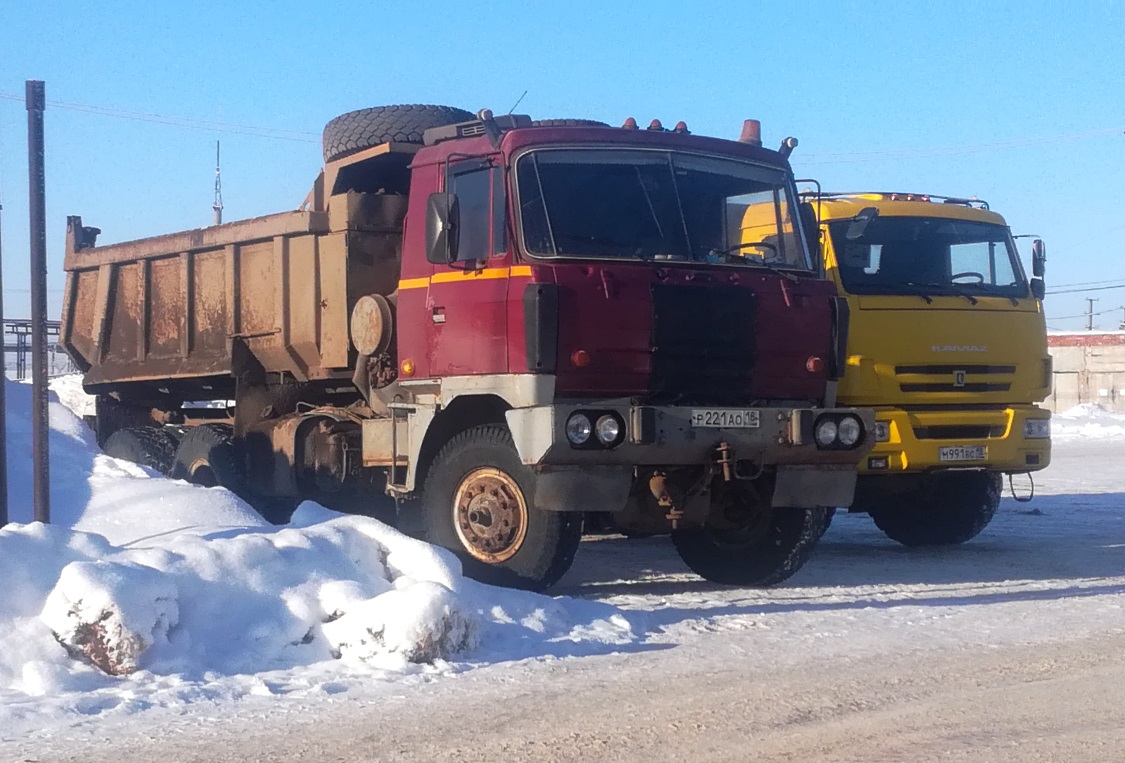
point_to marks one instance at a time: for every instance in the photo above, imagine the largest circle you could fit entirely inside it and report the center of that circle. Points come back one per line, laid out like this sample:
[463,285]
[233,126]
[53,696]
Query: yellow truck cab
[946,340]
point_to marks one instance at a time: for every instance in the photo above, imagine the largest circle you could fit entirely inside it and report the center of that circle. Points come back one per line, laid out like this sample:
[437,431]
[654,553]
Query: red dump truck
[501,325]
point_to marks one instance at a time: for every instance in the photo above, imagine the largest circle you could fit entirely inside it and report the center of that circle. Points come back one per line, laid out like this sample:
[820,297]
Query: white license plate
[725,418]
[962,453]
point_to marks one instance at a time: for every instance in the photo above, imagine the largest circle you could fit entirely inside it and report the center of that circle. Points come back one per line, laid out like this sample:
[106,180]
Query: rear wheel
[748,542]
[479,502]
[207,456]
[147,446]
[945,510]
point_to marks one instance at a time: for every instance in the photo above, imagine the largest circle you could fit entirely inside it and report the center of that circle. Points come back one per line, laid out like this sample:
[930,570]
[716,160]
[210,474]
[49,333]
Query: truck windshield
[928,255]
[657,205]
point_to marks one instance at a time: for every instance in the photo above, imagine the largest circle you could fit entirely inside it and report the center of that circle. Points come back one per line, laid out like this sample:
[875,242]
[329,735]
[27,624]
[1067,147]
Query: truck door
[468,298]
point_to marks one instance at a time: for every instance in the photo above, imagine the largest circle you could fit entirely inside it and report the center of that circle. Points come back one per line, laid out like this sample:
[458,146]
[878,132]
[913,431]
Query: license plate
[725,418]
[962,453]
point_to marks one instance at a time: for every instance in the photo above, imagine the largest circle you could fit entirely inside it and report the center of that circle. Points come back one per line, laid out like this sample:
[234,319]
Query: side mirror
[860,222]
[443,227]
[1038,258]
[812,229]
[1038,288]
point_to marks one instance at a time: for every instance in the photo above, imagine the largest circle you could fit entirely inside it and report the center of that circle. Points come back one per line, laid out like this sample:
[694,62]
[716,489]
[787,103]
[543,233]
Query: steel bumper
[916,440]
[598,478]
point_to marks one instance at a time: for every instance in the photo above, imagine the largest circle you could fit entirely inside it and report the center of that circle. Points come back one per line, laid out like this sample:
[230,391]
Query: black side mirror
[443,227]
[1038,288]
[811,228]
[860,222]
[1038,258]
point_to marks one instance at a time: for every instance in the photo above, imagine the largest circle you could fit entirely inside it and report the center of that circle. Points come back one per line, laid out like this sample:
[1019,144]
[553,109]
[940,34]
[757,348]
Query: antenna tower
[217,206]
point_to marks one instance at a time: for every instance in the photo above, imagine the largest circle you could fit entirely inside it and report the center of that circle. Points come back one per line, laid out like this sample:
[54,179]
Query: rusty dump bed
[174,307]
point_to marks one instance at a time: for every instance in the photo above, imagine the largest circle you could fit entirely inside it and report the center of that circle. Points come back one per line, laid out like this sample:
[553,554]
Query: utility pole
[1090,313]
[217,205]
[40,423]
[3,391]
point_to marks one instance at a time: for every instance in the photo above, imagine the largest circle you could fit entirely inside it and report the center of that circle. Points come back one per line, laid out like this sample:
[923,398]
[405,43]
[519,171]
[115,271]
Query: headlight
[1037,429]
[882,431]
[578,429]
[608,430]
[848,431]
[826,433]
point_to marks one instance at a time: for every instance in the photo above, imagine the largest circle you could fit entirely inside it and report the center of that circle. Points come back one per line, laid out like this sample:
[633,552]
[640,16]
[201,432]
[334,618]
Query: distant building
[1089,367]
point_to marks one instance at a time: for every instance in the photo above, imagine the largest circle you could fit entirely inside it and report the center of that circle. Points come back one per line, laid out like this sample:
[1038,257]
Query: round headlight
[608,429]
[578,429]
[849,430]
[826,433]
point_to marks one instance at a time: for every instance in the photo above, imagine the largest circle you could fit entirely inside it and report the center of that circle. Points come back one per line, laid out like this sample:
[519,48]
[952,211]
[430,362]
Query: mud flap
[808,487]
[585,488]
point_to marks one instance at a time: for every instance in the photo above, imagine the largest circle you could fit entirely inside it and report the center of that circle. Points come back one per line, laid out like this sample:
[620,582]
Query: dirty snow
[252,624]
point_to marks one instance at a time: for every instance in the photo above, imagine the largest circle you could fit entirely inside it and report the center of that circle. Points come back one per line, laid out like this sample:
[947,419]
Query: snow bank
[147,590]
[69,391]
[1088,421]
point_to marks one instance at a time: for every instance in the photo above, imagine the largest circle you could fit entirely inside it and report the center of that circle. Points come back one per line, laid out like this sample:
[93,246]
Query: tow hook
[1012,489]
[658,485]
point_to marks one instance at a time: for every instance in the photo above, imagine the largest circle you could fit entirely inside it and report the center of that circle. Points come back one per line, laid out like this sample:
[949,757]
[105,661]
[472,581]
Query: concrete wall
[1089,368]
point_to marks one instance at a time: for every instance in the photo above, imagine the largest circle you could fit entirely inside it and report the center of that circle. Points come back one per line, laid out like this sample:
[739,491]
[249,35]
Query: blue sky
[1017,103]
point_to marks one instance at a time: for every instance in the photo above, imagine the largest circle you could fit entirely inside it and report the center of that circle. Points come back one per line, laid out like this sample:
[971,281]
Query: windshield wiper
[756,262]
[923,295]
[956,289]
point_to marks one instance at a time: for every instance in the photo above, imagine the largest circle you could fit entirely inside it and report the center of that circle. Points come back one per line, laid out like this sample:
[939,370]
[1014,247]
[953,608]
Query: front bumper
[917,439]
[664,437]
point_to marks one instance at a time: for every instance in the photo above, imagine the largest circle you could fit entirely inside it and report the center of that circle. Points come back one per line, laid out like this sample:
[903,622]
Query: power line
[1086,315]
[1053,292]
[954,150]
[277,133]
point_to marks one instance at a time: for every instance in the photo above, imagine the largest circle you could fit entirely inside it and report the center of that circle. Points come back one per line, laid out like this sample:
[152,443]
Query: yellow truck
[946,340]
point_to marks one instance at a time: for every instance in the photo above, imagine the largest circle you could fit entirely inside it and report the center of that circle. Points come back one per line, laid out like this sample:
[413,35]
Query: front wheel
[768,546]
[479,502]
[949,509]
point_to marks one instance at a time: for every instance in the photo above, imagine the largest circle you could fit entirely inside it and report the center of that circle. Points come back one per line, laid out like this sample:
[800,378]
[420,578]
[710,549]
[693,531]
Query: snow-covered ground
[242,621]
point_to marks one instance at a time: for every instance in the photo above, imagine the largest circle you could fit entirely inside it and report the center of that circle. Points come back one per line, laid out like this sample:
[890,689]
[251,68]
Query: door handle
[438,315]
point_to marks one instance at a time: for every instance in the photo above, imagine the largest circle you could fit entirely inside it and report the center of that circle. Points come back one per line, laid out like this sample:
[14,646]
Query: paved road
[1058,701]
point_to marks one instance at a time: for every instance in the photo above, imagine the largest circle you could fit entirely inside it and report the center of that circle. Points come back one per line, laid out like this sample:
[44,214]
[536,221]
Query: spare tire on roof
[568,123]
[357,130]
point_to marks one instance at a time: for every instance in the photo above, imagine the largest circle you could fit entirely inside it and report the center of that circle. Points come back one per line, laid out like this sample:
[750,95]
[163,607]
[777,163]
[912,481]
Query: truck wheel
[828,515]
[206,456]
[147,446]
[357,130]
[568,123]
[479,502]
[950,509]
[764,552]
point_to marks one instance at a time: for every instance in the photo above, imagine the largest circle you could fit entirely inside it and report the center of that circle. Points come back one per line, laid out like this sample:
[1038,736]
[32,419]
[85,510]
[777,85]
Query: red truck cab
[590,284]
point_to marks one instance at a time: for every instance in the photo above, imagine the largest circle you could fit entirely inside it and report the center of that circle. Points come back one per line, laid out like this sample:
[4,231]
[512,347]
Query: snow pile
[1088,421]
[327,587]
[150,591]
[69,390]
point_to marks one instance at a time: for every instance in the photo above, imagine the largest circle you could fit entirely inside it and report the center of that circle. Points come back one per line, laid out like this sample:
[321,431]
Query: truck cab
[503,326]
[947,342]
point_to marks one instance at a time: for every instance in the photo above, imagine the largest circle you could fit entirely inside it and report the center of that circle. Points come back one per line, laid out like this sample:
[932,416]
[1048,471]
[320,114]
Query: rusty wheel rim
[490,514]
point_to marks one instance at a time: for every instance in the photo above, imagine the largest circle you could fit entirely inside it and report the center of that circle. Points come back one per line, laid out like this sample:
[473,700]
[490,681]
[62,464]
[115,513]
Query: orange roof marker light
[751,132]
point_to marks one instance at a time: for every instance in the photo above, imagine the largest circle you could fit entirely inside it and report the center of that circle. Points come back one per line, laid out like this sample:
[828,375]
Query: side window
[499,214]
[474,189]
